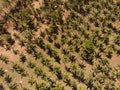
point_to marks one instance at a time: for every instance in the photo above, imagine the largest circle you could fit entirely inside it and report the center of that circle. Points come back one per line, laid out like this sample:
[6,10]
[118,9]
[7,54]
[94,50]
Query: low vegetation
[60,45]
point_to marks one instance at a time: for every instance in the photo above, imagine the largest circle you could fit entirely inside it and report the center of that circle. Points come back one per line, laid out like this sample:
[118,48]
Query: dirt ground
[114,61]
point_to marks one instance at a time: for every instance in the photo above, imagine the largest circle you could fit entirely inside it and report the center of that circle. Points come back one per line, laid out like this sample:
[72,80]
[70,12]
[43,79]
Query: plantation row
[60,45]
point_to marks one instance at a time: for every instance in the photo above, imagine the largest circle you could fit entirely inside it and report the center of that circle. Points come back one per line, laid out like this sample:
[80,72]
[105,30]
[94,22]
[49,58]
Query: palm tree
[118,75]
[87,57]
[23,58]
[4,59]
[72,58]
[50,39]
[39,71]
[13,86]
[52,53]
[109,54]
[46,62]
[117,40]
[82,88]
[2,72]
[28,34]
[77,49]
[73,84]
[9,15]
[65,51]
[22,42]
[101,47]
[31,64]
[118,52]
[55,69]
[8,79]
[106,40]
[23,88]
[110,85]
[1,42]
[31,48]
[40,43]
[16,52]
[82,65]
[97,86]
[19,70]
[37,55]
[57,86]
[9,39]
[57,58]
[43,34]
[31,81]
[40,86]
[57,45]
[1,87]
[89,82]
[63,40]
[80,75]
[73,68]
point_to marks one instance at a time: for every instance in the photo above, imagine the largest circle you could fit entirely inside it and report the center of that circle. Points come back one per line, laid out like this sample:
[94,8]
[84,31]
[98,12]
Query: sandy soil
[115,60]
[38,4]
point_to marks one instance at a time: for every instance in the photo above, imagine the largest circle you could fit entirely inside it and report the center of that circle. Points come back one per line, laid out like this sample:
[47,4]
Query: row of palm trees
[74,33]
